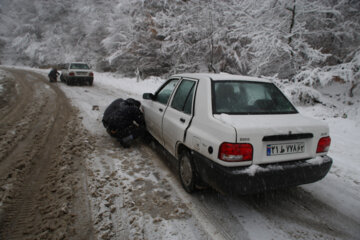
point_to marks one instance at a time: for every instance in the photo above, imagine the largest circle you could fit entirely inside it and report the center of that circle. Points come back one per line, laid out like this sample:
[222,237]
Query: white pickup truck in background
[237,134]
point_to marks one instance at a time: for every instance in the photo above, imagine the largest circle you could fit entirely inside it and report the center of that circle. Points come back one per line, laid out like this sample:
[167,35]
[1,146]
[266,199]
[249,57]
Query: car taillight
[91,74]
[235,152]
[71,74]
[323,145]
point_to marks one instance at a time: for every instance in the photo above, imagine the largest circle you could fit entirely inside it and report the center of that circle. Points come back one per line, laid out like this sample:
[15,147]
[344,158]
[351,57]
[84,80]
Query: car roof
[220,77]
[78,63]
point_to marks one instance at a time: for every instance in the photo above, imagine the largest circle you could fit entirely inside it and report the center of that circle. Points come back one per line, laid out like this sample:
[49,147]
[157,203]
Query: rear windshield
[240,97]
[79,66]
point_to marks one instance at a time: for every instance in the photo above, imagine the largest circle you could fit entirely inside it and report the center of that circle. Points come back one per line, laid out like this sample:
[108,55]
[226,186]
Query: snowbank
[2,76]
[130,85]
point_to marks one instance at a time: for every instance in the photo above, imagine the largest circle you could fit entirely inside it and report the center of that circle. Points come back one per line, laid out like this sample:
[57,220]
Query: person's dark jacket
[53,73]
[123,118]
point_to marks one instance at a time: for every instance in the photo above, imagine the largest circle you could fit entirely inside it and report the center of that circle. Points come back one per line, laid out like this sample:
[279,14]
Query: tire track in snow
[40,187]
[207,206]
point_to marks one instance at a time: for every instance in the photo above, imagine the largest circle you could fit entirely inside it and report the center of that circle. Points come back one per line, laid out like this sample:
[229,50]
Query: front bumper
[260,178]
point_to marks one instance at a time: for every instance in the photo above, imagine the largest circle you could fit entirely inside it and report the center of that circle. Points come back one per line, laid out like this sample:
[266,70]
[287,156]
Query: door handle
[161,110]
[182,120]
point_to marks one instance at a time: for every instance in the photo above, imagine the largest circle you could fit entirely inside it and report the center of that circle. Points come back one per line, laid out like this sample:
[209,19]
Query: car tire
[187,172]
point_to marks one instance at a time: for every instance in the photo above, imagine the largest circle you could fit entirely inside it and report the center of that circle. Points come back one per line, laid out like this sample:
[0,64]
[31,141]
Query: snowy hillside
[302,40]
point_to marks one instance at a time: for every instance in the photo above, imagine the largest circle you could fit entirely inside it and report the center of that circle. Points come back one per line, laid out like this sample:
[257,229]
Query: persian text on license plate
[284,148]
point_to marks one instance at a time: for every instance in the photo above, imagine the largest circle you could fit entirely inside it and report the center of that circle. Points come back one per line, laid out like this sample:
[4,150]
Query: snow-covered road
[42,153]
[135,192]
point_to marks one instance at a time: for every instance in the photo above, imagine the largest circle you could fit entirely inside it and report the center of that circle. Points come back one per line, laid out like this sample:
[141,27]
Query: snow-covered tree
[283,38]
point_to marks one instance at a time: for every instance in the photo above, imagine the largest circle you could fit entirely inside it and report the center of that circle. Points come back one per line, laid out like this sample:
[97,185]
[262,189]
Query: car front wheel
[187,172]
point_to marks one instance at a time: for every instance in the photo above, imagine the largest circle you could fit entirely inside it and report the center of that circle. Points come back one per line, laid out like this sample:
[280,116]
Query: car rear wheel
[187,172]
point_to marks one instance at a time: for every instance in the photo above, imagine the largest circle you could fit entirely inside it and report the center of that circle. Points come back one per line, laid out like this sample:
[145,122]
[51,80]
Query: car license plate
[81,73]
[285,148]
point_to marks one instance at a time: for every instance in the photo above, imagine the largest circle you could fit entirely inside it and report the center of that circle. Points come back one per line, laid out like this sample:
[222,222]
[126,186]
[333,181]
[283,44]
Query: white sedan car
[237,134]
[77,73]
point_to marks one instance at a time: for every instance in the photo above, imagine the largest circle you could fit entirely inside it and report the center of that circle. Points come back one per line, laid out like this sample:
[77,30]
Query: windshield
[79,66]
[241,97]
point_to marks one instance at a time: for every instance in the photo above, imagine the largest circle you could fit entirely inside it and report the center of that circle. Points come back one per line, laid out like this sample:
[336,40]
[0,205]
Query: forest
[313,42]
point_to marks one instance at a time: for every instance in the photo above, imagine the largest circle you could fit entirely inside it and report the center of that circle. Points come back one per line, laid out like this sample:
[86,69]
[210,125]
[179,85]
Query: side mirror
[149,96]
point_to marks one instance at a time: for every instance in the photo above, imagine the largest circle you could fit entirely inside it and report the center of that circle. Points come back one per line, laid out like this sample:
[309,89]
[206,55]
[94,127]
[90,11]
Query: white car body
[202,131]
[77,73]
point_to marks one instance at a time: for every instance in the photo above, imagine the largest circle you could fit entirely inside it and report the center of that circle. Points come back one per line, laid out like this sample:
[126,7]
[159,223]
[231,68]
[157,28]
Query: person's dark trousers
[132,133]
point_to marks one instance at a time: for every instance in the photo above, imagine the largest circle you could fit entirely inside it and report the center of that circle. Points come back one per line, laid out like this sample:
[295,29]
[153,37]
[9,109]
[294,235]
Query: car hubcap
[186,170]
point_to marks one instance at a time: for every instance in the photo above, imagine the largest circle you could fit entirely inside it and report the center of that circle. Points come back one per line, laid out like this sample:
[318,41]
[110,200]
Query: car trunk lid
[81,73]
[277,138]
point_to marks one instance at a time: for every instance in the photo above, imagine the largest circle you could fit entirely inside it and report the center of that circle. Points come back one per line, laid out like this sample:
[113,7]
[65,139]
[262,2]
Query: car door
[154,109]
[179,114]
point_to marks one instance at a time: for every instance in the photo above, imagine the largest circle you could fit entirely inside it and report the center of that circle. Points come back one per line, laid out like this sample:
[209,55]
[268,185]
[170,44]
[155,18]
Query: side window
[184,96]
[164,94]
[189,101]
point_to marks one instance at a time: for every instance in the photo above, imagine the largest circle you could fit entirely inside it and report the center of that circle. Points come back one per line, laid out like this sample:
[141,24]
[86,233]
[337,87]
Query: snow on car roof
[78,63]
[221,77]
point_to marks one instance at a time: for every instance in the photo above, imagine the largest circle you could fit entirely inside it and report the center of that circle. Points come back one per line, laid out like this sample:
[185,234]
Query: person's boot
[128,138]
[123,143]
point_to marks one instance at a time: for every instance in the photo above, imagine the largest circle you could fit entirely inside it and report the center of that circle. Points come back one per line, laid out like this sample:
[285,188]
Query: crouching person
[53,75]
[124,120]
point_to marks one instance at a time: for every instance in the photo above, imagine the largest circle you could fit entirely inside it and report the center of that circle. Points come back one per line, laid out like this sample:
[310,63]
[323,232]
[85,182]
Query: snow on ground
[129,85]
[2,76]
[340,189]
[134,180]
[149,209]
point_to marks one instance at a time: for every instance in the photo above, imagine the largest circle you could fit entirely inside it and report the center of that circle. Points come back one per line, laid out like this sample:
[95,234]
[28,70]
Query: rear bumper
[80,79]
[260,178]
